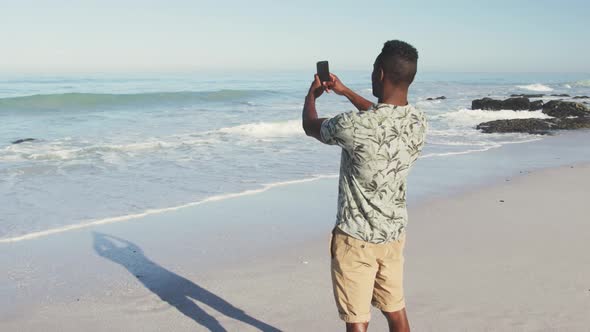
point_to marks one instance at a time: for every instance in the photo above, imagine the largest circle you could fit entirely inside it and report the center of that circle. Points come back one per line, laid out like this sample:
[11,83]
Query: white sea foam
[469,118]
[426,103]
[581,83]
[446,142]
[453,132]
[267,129]
[486,147]
[70,150]
[455,153]
[97,222]
[58,151]
[535,87]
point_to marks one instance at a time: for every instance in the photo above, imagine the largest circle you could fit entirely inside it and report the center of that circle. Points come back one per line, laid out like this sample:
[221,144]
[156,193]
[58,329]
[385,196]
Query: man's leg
[357,327]
[397,321]
[353,269]
[388,292]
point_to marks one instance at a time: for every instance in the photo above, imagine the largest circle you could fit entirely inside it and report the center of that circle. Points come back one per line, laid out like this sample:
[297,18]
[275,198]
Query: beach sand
[514,256]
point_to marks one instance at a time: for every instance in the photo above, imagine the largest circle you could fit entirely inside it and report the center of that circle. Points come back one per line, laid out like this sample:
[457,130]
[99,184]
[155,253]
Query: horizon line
[265,70]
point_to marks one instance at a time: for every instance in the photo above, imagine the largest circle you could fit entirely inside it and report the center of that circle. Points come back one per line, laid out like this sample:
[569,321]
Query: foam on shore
[90,223]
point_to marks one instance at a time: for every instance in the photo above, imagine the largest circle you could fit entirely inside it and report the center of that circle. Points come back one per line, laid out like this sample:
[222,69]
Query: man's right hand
[335,85]
[359,102]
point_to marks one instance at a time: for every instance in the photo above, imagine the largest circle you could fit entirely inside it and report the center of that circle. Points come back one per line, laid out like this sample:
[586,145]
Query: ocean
[111,147]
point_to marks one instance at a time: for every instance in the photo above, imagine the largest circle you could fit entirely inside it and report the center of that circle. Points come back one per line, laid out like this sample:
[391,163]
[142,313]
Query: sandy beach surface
[514,256]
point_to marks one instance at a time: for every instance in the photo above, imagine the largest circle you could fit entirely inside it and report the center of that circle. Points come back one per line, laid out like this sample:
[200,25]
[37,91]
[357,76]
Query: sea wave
[266,129]
[427,103]
[469,118]
[67,149]
[459,131]
[535,87]
[580,83]
[72,149]
[76,100]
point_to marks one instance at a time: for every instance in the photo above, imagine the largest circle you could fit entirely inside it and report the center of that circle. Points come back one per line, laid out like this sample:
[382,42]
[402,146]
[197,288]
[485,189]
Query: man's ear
[381,74]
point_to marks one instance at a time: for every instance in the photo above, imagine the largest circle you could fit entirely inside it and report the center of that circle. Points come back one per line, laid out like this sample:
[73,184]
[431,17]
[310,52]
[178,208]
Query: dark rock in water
[437,98]
[486,104]
[561,95]
[22,140]
[525,95]
[531,126]
[562,109]
[534,126]
[582,122]
[536,105]
[517,104]
[581,97]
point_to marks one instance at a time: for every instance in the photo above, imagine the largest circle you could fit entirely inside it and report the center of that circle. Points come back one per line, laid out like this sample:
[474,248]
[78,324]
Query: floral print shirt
[379,146]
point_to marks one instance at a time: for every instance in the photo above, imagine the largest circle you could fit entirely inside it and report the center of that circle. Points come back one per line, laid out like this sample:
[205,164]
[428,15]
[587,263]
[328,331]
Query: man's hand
[359,102]
[317,88]
[336,85]
[311,124]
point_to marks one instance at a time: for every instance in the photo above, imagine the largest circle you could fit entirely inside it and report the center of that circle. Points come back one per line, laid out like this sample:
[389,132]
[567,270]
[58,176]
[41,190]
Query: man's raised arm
[310,121]
[359,102]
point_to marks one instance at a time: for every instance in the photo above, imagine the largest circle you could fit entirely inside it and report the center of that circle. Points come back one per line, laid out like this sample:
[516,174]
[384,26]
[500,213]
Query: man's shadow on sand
[170,287]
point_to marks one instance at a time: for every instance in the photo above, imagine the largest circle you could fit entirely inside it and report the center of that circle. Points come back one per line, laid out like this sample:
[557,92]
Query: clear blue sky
[131,35]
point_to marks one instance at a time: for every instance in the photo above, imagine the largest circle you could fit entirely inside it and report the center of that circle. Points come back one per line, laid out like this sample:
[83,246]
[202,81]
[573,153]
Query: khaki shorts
[365,273]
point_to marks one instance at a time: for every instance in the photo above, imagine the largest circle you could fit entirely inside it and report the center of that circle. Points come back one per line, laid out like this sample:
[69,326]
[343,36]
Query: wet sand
[513,256]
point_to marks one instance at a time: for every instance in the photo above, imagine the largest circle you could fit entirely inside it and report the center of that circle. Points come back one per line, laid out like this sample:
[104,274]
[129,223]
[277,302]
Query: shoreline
[149,212]
[429,184]
[279,275]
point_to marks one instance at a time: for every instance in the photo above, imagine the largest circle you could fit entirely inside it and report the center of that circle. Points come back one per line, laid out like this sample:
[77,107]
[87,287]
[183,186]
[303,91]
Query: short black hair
[399,61]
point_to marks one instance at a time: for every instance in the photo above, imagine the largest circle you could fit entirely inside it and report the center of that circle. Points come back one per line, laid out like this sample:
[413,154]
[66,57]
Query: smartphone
[324,71]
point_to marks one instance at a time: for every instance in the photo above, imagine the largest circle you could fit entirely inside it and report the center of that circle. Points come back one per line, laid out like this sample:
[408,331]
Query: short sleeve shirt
[379,146]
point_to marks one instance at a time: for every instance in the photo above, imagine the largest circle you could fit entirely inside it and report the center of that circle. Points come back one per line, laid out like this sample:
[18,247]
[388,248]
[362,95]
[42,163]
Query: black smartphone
[324,71]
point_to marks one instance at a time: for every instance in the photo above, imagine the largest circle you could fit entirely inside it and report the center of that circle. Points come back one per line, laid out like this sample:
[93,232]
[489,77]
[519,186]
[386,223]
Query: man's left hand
[317,88]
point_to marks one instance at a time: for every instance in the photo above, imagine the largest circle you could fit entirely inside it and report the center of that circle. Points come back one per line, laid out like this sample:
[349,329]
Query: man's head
[395,67]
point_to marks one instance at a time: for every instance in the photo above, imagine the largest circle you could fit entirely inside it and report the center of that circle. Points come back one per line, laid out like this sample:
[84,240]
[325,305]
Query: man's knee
[397,320]
[395,315]
[357,327]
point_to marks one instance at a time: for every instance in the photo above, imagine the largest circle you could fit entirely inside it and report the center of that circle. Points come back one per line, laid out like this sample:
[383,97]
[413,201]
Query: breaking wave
[535,87]
[267,129]
[82,101]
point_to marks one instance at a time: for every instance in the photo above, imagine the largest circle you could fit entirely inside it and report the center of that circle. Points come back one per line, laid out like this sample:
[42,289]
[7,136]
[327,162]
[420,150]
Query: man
[379,144]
